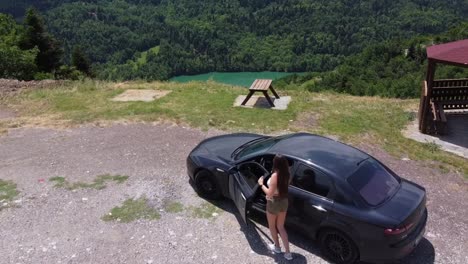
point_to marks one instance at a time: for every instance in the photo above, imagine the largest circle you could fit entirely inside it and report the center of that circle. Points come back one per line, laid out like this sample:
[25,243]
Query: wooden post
[422,102]
[431,66]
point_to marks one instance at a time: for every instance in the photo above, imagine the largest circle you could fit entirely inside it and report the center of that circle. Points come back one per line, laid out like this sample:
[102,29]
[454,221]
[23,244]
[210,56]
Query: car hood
[221,147]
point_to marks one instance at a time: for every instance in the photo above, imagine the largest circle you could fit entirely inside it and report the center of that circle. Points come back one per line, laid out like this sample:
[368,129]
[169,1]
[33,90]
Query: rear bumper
[400,249]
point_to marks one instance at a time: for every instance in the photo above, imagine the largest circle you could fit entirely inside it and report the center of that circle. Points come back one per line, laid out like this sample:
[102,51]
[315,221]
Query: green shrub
[43,76]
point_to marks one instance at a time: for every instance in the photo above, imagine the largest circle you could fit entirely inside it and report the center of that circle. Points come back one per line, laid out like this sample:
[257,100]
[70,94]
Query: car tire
[207,185]
[338,247]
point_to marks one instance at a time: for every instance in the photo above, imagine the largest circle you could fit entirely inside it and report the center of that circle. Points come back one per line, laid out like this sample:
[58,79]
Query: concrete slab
[456,139]
[261,102]
[140,95]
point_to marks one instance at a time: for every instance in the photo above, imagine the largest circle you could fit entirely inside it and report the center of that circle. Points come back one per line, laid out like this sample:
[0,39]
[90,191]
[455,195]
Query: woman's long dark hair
[281,167]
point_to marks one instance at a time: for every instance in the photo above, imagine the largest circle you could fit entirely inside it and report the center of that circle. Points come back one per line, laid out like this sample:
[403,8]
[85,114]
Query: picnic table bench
[261,85]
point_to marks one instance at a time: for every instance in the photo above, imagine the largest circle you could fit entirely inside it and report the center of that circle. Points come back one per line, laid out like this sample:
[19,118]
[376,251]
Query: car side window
[267,162]
[251,171]
[311,180]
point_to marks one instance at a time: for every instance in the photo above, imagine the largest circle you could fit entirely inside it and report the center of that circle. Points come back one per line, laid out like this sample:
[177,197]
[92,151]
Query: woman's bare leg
[272,219]
[282,231]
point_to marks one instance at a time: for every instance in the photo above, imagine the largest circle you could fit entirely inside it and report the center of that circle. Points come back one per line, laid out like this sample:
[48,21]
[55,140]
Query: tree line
[121,36]
[393,68]
[29,52]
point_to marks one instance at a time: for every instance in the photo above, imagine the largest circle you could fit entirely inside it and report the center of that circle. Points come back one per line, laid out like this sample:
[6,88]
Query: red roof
[453,52]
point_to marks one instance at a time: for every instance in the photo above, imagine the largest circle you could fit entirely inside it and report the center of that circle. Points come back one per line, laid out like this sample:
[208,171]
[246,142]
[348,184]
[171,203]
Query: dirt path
[55,225]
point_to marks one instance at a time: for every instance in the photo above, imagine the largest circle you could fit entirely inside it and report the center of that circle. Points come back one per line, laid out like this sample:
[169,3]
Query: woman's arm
[270,190]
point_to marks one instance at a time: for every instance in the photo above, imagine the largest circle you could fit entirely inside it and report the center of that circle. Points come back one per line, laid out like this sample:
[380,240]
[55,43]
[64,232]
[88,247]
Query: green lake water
[233,78]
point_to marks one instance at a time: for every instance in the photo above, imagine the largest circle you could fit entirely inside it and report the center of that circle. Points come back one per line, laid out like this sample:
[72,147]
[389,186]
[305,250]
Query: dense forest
[157,39]
[392,68]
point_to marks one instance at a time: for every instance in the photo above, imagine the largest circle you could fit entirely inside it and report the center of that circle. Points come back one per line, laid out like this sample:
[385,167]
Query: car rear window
[373,182]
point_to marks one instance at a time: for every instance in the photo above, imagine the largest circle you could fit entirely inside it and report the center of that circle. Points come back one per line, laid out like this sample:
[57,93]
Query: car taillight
[398,230]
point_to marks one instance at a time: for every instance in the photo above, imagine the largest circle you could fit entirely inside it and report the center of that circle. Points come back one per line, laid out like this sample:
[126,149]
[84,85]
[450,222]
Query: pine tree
[80,61]
[50,51]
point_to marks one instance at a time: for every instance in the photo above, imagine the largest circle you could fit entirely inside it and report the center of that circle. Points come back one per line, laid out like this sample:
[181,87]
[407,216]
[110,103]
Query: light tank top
[276,191]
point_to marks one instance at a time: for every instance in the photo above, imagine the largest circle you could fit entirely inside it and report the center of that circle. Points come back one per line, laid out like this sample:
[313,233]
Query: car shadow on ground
[424,253]
[258,240]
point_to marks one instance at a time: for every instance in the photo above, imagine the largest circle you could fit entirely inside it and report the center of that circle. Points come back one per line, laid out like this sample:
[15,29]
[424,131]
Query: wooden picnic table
[261,85]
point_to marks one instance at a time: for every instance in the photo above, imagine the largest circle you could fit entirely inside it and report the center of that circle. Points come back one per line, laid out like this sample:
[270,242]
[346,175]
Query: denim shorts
[276,205]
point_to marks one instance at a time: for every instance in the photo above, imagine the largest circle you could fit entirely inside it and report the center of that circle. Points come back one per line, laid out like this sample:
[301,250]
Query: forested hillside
[392,68]
[156,39]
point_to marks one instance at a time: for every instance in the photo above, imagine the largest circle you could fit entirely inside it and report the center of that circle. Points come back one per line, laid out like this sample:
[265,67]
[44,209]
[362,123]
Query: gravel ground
[52,225]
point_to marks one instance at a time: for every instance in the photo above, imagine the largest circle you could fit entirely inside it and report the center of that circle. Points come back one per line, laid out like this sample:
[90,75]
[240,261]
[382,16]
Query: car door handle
[319,208]
[243,197]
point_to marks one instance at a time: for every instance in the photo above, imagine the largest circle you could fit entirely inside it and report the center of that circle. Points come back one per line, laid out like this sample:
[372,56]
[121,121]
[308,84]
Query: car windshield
[373,182]
[256,147]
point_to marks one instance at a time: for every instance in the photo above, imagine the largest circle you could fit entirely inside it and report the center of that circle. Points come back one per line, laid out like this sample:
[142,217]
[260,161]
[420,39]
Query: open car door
[243,184]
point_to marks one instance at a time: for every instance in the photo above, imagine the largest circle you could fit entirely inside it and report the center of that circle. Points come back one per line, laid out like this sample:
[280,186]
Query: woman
[277,203]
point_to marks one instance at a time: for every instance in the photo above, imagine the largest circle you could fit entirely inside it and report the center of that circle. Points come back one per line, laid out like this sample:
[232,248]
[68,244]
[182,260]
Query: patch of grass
[132,210]
[173,207]
[199,104]
[444,169]
[7,190]
[431,147]
[98,183]
[60,182]
[206,210]
[411,116]
[101,179]
[142,59]
[7,193]
[355,120]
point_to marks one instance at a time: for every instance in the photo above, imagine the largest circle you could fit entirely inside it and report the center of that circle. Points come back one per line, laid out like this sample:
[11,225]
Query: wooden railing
[452,94]
[450,83]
